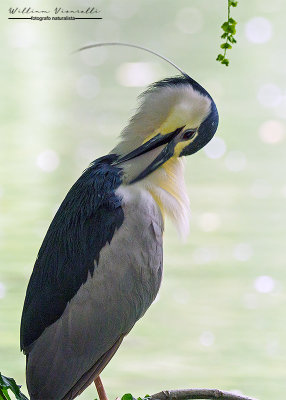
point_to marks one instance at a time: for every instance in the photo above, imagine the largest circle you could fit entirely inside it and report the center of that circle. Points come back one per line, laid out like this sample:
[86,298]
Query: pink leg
[100,389]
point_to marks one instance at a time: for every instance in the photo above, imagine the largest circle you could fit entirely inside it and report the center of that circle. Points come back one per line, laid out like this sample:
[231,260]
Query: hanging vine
[229,30]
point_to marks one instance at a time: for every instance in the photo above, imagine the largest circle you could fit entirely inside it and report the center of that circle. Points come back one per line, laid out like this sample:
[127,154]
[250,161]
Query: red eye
[189,134]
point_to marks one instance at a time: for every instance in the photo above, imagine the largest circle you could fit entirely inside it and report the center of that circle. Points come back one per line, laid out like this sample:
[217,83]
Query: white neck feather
[167,186]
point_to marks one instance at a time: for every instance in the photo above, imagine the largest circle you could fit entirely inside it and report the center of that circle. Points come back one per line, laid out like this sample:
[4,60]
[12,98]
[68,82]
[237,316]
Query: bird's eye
[189,134]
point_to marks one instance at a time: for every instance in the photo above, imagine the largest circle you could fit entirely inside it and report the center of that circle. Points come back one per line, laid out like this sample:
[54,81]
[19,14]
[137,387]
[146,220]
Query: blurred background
[219,318]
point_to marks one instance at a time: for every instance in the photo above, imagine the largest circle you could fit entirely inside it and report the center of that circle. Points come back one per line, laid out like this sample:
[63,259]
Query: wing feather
[93,372]
[102,298]
[84,223]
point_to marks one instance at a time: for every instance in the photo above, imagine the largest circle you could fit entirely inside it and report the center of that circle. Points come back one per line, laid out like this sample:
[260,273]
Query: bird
[100,265]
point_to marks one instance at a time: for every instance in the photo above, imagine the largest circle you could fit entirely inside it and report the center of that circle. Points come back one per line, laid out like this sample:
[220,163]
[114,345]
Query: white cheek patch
[190,111]
[180,114]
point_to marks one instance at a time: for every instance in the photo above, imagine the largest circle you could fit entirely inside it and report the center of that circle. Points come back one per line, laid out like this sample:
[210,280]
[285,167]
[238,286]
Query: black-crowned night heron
[100,265]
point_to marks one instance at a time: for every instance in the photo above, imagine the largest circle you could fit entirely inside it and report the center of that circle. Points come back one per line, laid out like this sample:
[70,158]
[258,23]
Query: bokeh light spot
[22,34]
[209,222]
[258,30]
[272,132]
[48,160]
[136,74]
[264,284]
[215,148]
[207,338]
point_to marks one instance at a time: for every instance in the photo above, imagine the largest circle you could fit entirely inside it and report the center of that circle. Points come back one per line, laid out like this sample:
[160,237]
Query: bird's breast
[128,274]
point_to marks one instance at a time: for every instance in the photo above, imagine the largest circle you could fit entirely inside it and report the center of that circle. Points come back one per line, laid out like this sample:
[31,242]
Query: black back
[86,220]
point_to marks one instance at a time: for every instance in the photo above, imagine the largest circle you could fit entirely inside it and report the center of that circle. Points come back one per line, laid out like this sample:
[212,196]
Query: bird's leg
[100,389]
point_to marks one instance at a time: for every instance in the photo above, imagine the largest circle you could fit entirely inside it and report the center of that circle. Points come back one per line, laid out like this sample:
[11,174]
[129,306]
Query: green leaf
[228,28]
[4,394]
[225,26]
[9,383]
[232,39]
[232,30]
[232,21]
[224,35]
[128,396]
[225,62]
[232,3]
[220,57]
[226,46]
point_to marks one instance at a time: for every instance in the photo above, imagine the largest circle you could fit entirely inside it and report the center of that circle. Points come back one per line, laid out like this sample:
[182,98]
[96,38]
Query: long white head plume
[90,46]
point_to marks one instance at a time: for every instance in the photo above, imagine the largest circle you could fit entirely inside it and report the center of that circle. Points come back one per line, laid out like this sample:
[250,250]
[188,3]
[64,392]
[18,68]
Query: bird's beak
[159,140]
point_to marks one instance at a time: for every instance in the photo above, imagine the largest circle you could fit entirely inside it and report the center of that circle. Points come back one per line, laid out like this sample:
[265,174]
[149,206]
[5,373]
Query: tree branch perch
[186,394]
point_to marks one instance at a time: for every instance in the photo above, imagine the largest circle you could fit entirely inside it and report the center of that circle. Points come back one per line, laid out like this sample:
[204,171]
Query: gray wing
[72,351]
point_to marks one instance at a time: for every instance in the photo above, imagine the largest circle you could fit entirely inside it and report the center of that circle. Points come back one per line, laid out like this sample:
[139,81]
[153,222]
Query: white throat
[167,186]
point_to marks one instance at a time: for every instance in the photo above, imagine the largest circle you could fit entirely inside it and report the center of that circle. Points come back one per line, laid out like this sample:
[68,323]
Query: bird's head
[176,117]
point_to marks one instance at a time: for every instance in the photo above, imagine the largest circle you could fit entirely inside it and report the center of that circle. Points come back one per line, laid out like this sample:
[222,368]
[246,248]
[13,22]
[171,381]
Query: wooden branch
[186,394]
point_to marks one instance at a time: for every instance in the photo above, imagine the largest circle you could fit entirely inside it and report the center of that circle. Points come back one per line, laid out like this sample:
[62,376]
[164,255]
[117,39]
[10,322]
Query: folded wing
[98,270]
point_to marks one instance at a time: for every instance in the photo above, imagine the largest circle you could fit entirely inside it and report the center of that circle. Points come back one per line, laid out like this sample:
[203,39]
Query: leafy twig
[229,31]
[9,383]
[4,396]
